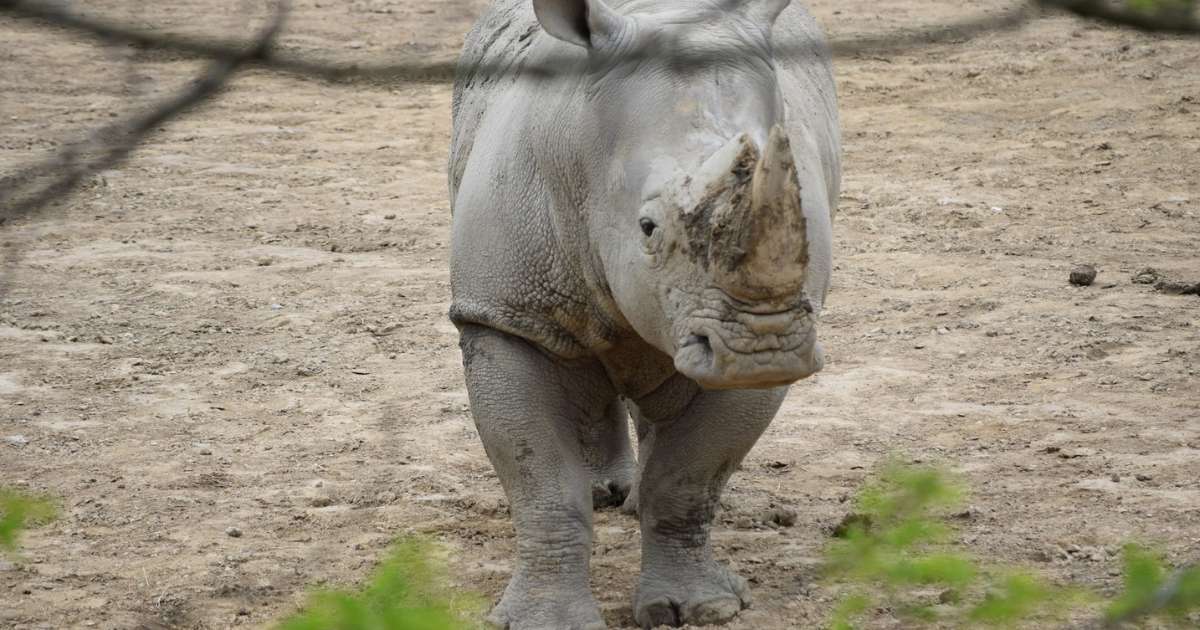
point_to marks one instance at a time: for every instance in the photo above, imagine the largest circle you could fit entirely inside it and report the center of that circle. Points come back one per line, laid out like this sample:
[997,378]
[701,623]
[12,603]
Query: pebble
[1149,275]
[308,369]
[780,516]
[233,532]
[204,449]
[16,440]
[1083,275]
[1143,477]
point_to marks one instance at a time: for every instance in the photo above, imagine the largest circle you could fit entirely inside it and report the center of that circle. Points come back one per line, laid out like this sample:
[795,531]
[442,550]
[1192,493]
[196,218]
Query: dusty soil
[246,327]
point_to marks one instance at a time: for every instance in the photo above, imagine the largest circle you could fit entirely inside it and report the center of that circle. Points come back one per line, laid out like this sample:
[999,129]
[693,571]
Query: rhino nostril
[701,340]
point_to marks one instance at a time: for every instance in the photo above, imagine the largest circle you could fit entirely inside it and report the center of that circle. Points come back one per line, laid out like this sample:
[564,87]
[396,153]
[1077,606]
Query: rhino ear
[587,23]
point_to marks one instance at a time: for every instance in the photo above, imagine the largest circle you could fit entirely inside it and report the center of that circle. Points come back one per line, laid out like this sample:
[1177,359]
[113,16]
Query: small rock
[320,500]
[308,369]
[1149,275]
[105,339]
[852,521]
[1175,287]
[1115,477]
[1143,477]
[204,449]
[1083,275]
[233,532]
[780,516]
[16,440]
[389,216]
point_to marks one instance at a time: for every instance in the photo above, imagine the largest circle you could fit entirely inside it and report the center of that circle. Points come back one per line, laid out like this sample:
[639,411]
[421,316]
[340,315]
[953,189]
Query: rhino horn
[761,244]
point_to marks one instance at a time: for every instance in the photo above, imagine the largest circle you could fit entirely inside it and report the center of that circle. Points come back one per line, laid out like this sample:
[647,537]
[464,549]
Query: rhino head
[694,207]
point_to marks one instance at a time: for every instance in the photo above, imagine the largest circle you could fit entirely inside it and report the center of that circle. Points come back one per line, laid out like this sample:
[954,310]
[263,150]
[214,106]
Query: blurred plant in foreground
[896,551]
[19,510]
[408,591]
[1163,7]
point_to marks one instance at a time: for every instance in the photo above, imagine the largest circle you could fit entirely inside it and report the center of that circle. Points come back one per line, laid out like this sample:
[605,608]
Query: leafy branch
[18,511]
[897,545]
[408,591]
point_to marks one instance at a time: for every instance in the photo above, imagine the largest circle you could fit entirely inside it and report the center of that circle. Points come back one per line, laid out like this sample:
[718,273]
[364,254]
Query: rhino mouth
[744,350]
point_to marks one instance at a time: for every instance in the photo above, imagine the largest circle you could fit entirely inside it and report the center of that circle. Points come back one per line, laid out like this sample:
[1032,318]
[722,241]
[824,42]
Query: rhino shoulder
[492,56]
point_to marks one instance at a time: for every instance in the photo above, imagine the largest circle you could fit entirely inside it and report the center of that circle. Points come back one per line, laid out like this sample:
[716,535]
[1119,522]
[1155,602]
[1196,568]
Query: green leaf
[408,591]
[1186,598]
[18,511]
[1018,597]
[1143,575]
[946,569]
[847,610]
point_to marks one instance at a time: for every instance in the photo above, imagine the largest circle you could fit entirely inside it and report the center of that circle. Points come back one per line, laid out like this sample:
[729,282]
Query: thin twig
[27,191]
[444,71]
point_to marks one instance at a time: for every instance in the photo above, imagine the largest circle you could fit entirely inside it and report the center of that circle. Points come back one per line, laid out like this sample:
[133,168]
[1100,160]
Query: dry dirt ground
[246,326]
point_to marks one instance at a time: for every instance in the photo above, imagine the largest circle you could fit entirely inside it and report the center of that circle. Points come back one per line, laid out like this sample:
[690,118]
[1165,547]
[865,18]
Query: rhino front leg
[609,455]
[691,459]
[528,408]
[645,438]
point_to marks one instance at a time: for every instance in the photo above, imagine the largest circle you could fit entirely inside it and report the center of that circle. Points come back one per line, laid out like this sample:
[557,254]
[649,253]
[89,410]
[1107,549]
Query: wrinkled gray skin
[637,234]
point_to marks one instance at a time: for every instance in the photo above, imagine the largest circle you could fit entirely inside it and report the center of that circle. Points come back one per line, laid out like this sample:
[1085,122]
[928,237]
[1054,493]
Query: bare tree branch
[444,71]
[36,186]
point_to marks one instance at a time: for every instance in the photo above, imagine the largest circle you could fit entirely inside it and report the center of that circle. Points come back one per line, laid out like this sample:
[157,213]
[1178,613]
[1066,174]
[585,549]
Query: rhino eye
[648,226]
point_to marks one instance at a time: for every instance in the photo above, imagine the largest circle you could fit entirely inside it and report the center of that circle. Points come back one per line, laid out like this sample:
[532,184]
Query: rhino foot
[630,506]
[558,607]
[610,492]
[701,596]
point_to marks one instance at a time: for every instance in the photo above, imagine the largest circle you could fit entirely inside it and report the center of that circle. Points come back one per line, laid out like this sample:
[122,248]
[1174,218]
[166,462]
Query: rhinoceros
[642,193]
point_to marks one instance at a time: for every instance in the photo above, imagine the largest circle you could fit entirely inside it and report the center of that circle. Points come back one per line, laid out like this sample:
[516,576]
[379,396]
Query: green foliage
[1162,7]
[1151,590]
[18,511]
[896,541]
[1018,597]
[897,546]
[408,591]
